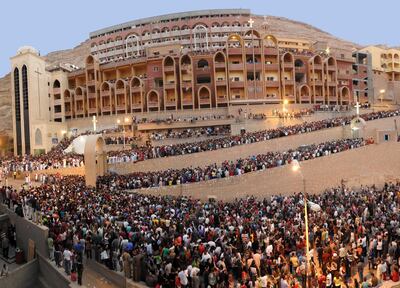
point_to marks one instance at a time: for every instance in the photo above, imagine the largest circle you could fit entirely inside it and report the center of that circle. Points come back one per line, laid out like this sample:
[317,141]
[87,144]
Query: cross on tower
[251,22]
[94,121]
[358,109]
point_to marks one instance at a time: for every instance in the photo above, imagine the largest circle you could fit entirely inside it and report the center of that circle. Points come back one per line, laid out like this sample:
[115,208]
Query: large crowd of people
[191,133]
[57,158]
[150,152]
[54,159]
[183,242]
[226,169]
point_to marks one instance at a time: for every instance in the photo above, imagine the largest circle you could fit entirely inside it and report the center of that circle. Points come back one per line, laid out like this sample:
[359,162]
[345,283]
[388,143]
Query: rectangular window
[386,137]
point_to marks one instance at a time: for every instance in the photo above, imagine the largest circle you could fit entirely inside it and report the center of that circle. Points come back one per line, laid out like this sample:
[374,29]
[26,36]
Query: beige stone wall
[279,144]
[368,165]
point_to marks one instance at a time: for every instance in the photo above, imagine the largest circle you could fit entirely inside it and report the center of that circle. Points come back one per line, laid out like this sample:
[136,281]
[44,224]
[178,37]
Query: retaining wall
[373,164]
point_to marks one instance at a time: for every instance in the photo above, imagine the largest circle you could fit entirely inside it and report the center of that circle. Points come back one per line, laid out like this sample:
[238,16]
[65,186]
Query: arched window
[298,63]
[200,35]
[38,137]
[56,84]
[25,96]
[203,63]
[17,111]
[132,46]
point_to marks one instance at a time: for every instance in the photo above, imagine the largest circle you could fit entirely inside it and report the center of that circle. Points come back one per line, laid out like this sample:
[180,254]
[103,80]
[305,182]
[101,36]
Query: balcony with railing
[152,104]
[91,95]
[271,67]
[169,85]
[169,68]
[236,67]
[222,99]
[271,83]
[136,89]
[235,51]
[187,101]
[251,50]
[220,82]
[270,51]
[204,101]
[220,65]
[254,66]
[236,84]
[105,93]
[170,102]
[106,108]
[80,111]
[288,66]
[287,82]
[92,110]
[79,97]
[121,107]
[317,82]
[120,91]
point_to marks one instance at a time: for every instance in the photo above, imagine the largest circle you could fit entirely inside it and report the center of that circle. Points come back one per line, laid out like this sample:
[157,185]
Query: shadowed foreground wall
[368,165]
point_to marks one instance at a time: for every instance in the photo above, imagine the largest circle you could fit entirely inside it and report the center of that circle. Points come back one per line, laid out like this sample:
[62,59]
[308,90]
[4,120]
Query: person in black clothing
[79,267]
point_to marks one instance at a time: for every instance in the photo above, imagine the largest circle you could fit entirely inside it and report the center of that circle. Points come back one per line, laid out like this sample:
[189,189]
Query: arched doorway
[304,94]
[38,137]
[153,101]
[186,77]
[221,77]
[137,102]
[204,97]
[344,96]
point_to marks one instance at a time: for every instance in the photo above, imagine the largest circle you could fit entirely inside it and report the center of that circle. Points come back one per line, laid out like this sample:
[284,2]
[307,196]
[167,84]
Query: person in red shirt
[394,276]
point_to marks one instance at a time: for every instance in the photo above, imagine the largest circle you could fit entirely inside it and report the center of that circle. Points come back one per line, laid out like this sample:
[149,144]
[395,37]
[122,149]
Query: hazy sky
[51,25]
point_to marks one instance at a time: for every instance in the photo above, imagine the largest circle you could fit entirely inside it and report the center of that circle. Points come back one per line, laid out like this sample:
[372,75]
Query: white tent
[77,146]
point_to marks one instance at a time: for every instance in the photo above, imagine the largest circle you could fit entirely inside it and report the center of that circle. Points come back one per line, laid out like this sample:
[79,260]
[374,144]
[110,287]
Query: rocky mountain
[287,28]
[278,26]
[5,105]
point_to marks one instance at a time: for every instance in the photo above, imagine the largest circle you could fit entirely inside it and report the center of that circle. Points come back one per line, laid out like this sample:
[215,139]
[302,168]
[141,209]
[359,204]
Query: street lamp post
[126,120]
[297,168]
[381,93]
[284,110]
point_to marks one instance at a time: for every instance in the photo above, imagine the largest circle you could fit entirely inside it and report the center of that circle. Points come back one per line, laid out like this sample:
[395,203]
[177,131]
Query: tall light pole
[381,93]
[284,110]
[94,121]
[297,168]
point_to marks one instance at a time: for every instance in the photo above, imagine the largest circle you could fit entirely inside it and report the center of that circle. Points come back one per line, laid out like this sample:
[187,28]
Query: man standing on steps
[67,261]
[79,267]
[5,243]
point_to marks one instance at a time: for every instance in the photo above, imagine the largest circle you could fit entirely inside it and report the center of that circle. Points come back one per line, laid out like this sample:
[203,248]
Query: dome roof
[27,49]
